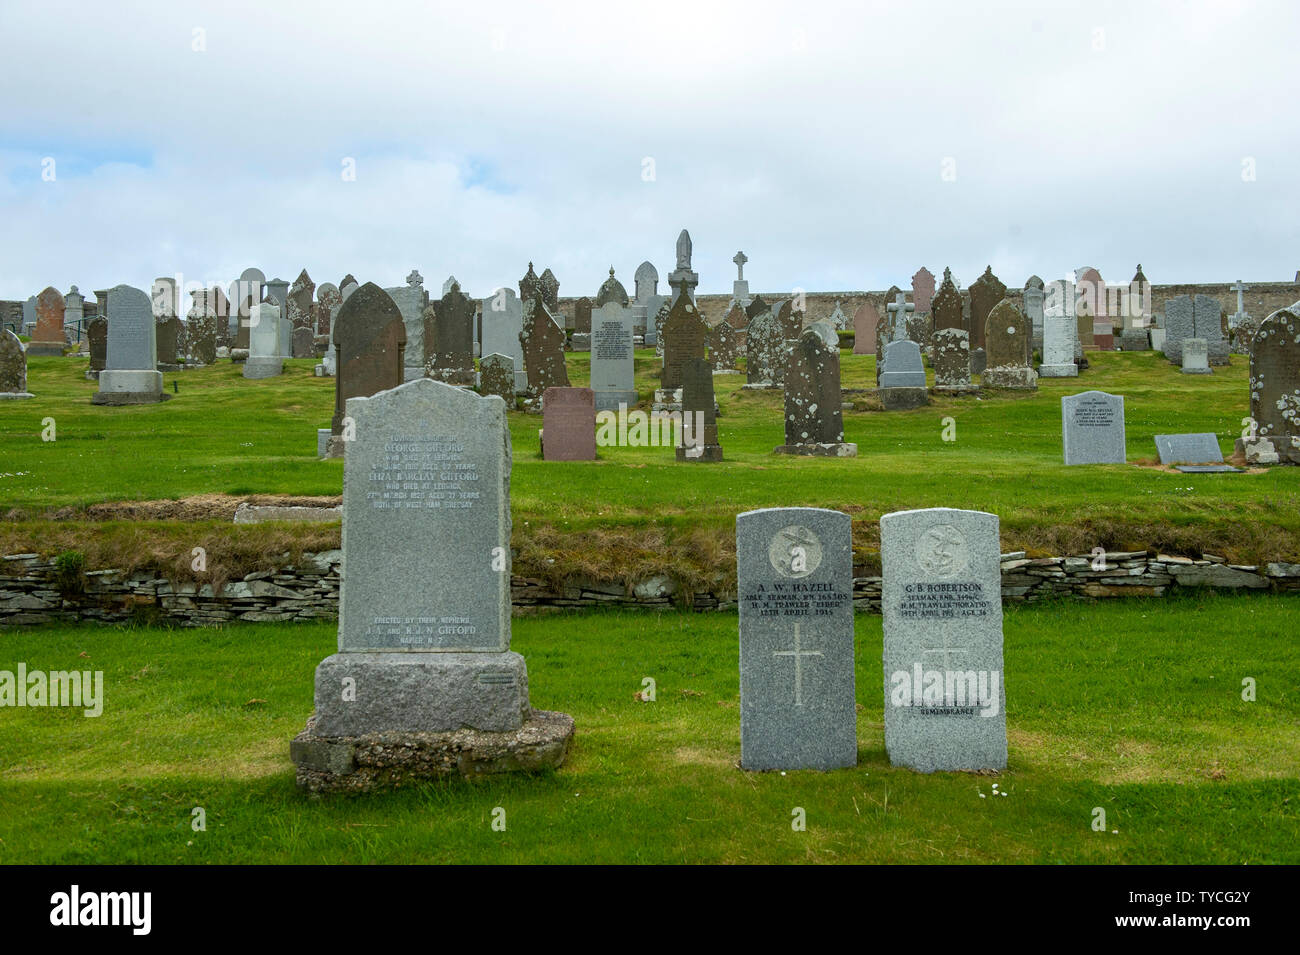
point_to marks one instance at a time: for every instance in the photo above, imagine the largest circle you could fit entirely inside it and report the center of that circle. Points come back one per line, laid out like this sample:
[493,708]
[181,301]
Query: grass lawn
[223,434]
[1132,707]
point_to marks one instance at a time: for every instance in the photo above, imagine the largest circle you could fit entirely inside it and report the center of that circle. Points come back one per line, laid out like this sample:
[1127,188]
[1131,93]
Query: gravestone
[1196,357]
[838,320]
[1059,336]
[898,311]
[582,310]
[328,300]
[766,352]
[48,337]
[656,313]
[13,367]
[1034,297]
[1192,453]
[1208,317]
[29,315]
[865,320]
[424,682]
[922,291]
[503,320]
[699,434]
[1084,302]
[277,293]
[497,377]
[611,290]
[202,322]
[683,278]
[97,338]
[1275,391]
[789,321]
[646,281]
[1092,302]
[985,293]
[794,585]
[411,300]
[1092,428]
[130,374]
[1006,339]
[167,335]
[740,287]
[299,304]
[304,342]
[902,383]
[550,289]
[814,420]
[369,346]
[74,309]
[528,285]
[685,337]
[449,338]
[756,306]
[941,597]
[568,424]
[264,358]
[946,306]
[612,374]
[727,341]
[542,341]
[951,360]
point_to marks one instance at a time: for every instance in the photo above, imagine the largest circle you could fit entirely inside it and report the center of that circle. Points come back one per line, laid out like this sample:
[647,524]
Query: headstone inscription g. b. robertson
[424,682]
[945,702]
[794,579]
[1092,428]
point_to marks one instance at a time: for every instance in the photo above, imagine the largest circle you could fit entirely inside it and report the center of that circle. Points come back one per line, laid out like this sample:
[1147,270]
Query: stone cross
[740,261]
[899,307]
[798,653]
[1241,304]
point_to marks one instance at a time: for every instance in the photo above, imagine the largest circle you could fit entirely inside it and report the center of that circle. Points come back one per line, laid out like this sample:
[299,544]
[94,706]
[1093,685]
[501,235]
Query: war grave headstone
[1092,428]
[794,585]
[865,320]
[766,353]
[370,346]
[48,336]
[699,434]
[1006,338]
[685,336]
[902,384]
[1196,357]
[985,293]
[1192,453]
[97,339]
[542,340]
[449,338]
[264,358]
[13,367]
[202,323]
[814,420]
[941,596]
[424,631]
[130,374]
[503,320]
[568,431]
[1275,391]
[726,342]
[612,372]
[497,377]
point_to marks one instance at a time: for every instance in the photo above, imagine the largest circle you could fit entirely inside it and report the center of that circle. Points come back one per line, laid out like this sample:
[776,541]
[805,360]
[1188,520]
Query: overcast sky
[841,145]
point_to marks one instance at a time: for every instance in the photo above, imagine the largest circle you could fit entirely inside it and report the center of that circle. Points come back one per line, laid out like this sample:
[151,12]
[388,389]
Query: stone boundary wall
[32,593]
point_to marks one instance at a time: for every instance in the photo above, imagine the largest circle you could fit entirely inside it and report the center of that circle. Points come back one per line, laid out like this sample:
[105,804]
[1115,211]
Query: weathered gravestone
[902,382]
[1208,316]
[766,352]
[168,333]
[424,683]
[503,320]
[264,359]
[13,367]
[1196,357]
[1275,391]
[923,291]
[612,374]
[611,290]
[727,341]
[582,310]
[685,337]
[1093,302]
[1180,325]
[838,320]
[945,701]
[951,360]
[814,422]
[755,307]
[550,289]
[568,424]
[699,434]
[304,342]
[794,585]
[370,346]
[299,309]
[130,374]
[202,322]
[1060,334]
[497,377]
[449,338]
[48,337]
[1092,428]
[985,293]
[946,306]
[97,339]
[865,320]
[542,341]
[1192,453]
[1034,297]
[1006,338]
[411,300]
[789,321]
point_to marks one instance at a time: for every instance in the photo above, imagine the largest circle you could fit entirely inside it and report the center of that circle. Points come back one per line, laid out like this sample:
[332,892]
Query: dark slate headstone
[568,424]
[97,336]
[1180,324]
[167,333]
[755,307]
[794,582]
[13,366]
[1092,428]
[951,350]
[1202,448]
[685,336]
[542,342]
[370,345]
[449,338]
[946,306]
[941,596]
[985,293]
[582,316]
[699,435]
[1275,388]
[1006,335]
[202,322]
[814,422]
[304,342]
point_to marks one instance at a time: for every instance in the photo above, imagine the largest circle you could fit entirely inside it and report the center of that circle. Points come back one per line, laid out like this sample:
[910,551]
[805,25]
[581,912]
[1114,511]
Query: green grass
[223,434]
[1133,707]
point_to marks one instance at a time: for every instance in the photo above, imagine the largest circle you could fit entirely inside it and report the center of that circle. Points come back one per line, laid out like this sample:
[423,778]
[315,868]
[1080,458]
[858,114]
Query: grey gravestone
[497,377]
[503,320]
[1196,357]
[411,300]
[449,338]
[699,435]
[13,367]
[766,351]
[945,699]
[74,308]
[794,584]
[951,348]
[656,313]
[1060,336]
[130,374]
[1202,448]
[1092,428]
[1208,316]
[1180,324]
[202,322]
[612,375]
[814,421]
[168,335]
[1034,297]
[903,365]
[1006,338]
[304,342]
[264,358]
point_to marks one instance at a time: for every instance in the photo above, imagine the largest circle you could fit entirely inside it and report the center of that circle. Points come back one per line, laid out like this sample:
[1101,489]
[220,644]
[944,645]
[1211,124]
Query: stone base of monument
[15,395]
[1012,379]
[966,389]
[92,374]
[902,399]
[129,387]
[581,341]
[610,400]
[1058,371]
[840,449]
[258,367]
[759,386]
[239,355]
[1268,450]
[44,348]
[322,441]
[1197,371]
[667,401]
[355,764]
[706,454]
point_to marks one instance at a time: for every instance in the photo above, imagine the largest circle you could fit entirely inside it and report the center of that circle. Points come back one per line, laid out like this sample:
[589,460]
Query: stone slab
[1092,428]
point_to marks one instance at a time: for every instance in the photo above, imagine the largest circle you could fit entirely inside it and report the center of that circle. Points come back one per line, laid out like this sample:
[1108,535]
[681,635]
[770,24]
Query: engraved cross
[798,653]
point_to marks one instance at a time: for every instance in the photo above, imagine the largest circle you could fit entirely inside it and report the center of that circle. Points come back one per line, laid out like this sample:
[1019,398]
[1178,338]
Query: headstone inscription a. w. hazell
[1092,428]
[424,632]
[941,596]
[794,582]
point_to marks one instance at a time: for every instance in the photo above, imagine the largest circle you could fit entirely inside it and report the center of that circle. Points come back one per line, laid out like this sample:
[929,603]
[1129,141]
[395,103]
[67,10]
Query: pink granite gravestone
[568,424]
